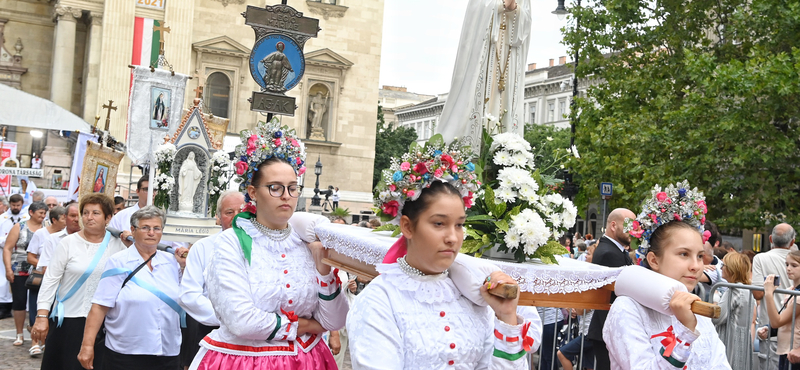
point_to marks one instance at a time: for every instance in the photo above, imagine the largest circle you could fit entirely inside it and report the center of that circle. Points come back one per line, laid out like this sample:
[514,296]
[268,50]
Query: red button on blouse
[446,328]
[283,256]
[290,301]
[441,314]
[288,286]
[451,362]
[285,271]
[452,345]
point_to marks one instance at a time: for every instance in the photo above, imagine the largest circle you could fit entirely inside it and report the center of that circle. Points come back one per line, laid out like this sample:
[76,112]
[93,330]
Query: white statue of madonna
[188,180]
[489,74]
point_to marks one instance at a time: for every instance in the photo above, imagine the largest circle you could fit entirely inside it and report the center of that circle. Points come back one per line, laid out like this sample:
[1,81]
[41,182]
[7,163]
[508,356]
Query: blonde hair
[738,266]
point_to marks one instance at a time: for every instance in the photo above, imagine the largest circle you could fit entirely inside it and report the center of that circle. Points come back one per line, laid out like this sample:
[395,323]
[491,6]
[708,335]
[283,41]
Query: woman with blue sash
[69,284]
[138,298]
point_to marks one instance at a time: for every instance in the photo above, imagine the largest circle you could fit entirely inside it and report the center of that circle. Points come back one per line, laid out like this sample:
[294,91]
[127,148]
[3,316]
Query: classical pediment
[327,58]
[223,45]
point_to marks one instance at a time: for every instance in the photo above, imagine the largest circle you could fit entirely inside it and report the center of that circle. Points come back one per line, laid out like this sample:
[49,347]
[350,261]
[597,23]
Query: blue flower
[681,192]
[437,152]
[243,158]
[398,175]
[426,176]
[455,176]
[278,134]
[470,167]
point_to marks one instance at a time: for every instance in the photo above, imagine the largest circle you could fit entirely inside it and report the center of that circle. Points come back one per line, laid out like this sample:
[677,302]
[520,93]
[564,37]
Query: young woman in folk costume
[412,316]
[638,337]
[273,295]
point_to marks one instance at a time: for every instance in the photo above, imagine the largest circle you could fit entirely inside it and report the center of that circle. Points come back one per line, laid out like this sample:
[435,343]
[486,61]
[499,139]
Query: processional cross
[109,106]
[162,28]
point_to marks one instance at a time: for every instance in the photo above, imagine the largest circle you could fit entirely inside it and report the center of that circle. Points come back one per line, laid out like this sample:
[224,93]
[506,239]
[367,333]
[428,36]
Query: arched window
[217,94]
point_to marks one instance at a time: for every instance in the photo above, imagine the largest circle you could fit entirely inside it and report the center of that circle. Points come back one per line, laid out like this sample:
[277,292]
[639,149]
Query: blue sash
[150,288]
[59,309]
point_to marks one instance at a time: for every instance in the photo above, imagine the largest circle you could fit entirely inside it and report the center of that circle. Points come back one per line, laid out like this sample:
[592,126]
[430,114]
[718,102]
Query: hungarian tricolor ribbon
[290,315]
[669,342]
[527,341]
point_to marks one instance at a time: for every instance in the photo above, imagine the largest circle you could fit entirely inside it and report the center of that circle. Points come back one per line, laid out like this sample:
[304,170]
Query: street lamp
[561,10]
[317,171]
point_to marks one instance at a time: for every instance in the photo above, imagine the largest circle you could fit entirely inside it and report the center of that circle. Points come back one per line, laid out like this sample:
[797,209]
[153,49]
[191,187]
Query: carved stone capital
[66,13]
[326,10]
[226,2]
[96,19]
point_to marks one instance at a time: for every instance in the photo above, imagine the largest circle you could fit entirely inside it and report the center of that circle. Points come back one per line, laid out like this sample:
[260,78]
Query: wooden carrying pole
[595,299]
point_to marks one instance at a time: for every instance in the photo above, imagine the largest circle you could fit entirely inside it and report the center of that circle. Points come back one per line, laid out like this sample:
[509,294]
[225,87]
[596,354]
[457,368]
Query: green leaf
[502,225]
[472,233]
[499,209]
[396,232]
[479,218]
[435,141]
[386,227]
[514,211]
[471,246]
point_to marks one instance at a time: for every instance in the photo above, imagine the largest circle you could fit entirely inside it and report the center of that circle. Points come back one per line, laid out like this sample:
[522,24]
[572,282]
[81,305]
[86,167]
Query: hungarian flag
[145,42]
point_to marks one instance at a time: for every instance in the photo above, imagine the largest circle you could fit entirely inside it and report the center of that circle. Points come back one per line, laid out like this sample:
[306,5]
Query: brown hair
[750,254]
[795,255]
[413,208]
[104,201]
[257,174]
[738,266]
[660,238]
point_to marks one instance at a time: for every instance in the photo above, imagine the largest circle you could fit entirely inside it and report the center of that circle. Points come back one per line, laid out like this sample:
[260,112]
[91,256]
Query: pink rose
[454,168]
[447,160]
[392,187]
[277,142]
[420,168]
[295,143]
[301,171]
[676,216]
[390,208]
[241,168]
[299,161]
[251,144]
[703,220]
[468,200]
[706,235]
[653,217]
[410,193]
[702,205]
[438,173]
[636,231]
[662,196]
[405,166]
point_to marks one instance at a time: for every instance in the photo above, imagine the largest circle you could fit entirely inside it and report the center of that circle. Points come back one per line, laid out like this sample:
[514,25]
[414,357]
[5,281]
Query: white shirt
[122,220]
[768,263]
[50,245]
[423,322]
[249,297]
[70,260]
[628,332]
[194,293]
[139,323]
[8,220]
[35,245]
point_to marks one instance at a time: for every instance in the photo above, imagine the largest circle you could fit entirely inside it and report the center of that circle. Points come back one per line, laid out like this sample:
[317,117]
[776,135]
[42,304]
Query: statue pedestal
[317,210]
[317,133]
[189,229]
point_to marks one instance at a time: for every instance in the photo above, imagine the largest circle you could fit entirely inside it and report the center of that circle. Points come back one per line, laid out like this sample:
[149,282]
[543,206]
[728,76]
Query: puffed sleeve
[372,331]
[230,295]
[192,299]
[630,347]
[332,310]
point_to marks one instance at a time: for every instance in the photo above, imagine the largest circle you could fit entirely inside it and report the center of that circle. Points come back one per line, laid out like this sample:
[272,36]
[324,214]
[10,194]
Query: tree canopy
[390,142]
[701,90]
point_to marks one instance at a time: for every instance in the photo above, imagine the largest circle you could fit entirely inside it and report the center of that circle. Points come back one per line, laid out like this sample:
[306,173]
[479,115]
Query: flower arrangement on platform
[519,212]
[164,182]
[676,202]
[269,139]
[218,178]
[417,169]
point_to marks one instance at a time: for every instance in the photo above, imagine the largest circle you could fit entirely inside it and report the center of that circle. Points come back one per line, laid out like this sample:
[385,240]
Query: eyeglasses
[148,229]
[277,190]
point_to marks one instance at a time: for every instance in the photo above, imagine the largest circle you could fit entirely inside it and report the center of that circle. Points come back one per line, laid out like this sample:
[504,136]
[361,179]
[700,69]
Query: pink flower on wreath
[299,161]
[468,200]
[421,168]
[405,166]
[249,207]
[454,168]
[438,173]
[447,160]
[241,167]
[295,143]
[703,206]
[392,187]
[706,235]
[410,193]
[301,171]
[251,144]
[654,218]
[637,230]
[390,208]
[662,196]
[677,216]
[277,142]
[703,220]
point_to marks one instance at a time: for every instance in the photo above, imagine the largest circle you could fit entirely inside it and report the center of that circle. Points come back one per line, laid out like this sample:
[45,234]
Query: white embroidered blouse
[254,301]
[629,332]
[405,322]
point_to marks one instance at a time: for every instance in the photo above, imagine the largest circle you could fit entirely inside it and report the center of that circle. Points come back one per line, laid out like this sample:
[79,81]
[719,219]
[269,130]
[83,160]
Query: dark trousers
[118,361]
[784,364]
[601,355]
[192,335]
[19,293]
[547,350]
[64,343]
[33,295]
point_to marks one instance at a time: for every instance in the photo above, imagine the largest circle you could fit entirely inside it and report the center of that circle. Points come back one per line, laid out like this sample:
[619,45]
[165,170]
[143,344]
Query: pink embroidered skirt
[319,358]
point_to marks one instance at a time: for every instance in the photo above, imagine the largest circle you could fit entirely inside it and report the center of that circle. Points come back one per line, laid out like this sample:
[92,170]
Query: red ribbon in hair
[669,342]
[398,249]
[527,342]
[290,315]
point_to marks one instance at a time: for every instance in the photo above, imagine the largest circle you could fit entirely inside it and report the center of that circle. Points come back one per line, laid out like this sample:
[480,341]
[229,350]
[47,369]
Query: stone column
[62,77]
[92,67]
[115,76]
[179,15]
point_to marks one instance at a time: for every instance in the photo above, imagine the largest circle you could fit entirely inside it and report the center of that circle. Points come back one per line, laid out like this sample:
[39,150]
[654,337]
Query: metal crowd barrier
[561,337]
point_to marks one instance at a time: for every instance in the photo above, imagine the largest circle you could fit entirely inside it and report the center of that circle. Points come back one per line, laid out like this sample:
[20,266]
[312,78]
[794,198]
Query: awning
[18,108]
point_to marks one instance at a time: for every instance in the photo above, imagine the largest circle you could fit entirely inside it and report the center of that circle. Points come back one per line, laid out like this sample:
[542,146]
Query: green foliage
[341,212]
[390,142]
[548,144]
[707,91]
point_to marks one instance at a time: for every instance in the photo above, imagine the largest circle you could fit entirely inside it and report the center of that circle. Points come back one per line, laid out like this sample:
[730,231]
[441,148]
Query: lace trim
[427,288]
[569,276]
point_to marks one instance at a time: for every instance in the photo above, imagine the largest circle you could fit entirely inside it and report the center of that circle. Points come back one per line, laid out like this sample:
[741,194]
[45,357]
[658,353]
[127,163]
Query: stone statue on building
[316,111]
[276,68]
[488,78]
[189,179]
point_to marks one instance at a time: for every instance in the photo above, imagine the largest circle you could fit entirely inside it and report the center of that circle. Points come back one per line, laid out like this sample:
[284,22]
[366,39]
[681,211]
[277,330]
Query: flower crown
[418,169]
[269,140]
[676,202]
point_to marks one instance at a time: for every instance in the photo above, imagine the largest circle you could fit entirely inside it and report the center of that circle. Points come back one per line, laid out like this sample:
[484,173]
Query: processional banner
[8,149]
[100,166]
[156,104]
[77,163]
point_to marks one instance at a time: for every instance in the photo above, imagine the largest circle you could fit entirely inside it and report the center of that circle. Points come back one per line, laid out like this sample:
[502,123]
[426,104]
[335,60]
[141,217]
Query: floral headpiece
[418,169]
[676,202]
[266,141]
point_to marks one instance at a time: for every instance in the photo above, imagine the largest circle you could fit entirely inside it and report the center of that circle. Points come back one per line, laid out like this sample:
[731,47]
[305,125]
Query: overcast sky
[420,39]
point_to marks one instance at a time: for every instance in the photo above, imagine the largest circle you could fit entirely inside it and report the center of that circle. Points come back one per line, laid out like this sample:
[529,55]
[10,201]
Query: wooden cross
[198,92]
[109,106]
[162,28]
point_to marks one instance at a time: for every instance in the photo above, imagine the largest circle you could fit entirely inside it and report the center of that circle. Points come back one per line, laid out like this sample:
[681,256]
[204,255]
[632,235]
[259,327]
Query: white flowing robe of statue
[475,91]
[189,179]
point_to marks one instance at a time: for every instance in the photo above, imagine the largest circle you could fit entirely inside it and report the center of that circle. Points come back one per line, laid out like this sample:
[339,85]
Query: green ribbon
[509,356]
[329,297]
[672,361]
[245,241]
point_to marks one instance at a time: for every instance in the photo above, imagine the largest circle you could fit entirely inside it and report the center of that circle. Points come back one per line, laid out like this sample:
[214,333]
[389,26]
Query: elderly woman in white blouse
[137,296]
[70,282]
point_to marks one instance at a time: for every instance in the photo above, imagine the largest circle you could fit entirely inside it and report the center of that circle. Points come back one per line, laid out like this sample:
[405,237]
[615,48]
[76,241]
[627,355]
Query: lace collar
[425,289]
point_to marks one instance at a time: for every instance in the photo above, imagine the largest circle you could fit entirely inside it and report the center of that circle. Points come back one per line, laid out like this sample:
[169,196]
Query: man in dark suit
[610,252]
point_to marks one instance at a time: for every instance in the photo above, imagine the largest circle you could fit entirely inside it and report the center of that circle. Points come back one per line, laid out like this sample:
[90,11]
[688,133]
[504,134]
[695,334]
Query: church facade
[77,54]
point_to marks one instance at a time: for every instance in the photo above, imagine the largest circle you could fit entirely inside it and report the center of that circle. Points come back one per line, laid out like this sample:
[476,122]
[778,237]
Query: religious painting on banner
[159,108]
[100,166]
